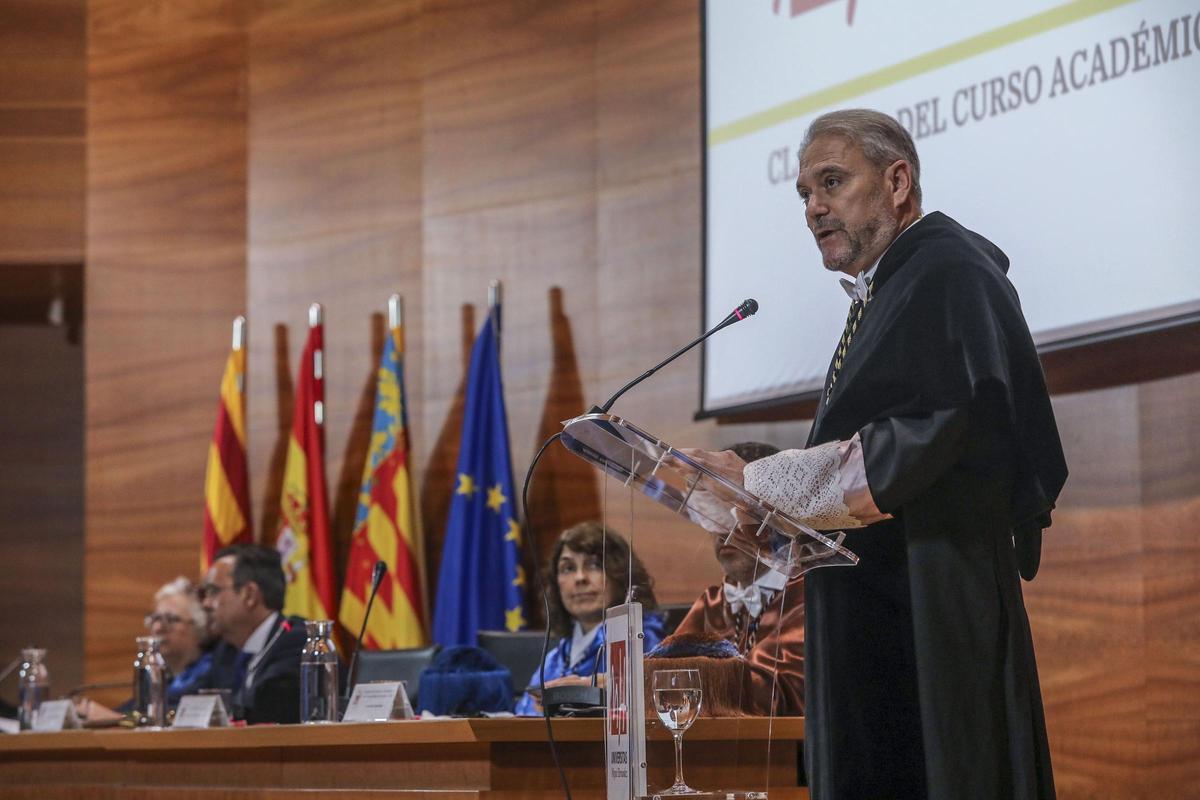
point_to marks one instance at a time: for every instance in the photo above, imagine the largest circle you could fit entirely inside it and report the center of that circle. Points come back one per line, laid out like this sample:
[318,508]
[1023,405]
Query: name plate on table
[55,715]
[380,701]
[200,711]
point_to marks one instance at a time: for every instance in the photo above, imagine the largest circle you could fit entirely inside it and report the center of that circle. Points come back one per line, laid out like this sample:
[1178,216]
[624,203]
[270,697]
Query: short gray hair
[882,139]
[184,588]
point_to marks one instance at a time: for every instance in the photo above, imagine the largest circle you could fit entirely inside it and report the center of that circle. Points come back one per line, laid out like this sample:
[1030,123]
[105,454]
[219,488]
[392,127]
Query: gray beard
[865,240]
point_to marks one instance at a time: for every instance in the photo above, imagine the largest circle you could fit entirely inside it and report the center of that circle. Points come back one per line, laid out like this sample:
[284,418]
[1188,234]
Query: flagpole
[316,316]
[239,332]
[239,342]
[395,312]
[495,292]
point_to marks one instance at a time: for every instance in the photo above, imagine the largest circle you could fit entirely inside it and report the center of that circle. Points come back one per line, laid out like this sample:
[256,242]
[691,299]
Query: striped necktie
[852,320]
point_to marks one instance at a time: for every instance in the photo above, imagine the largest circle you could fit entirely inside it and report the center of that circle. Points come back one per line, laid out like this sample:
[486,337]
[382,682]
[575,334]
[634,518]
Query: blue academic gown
[558,660]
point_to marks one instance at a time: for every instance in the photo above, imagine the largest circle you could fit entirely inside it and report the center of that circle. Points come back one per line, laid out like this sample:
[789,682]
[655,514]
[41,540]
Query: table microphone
[376,579]
[748,308]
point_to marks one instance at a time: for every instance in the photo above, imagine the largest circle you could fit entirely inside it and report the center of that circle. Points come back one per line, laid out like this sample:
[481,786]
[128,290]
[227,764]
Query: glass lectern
[648,466]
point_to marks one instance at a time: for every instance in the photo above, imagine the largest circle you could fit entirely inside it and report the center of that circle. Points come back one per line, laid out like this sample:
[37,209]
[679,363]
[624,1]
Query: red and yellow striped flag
[304,539]
[226,486]
[384,527]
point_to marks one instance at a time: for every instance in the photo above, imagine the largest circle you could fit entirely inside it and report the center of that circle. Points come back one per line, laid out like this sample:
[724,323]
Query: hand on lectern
[723,462]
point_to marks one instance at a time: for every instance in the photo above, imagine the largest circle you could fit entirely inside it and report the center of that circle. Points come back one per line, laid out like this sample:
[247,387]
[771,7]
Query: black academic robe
[921,679]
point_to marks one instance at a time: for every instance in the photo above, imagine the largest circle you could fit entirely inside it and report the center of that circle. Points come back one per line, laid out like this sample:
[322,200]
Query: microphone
[376,579]
[748,308]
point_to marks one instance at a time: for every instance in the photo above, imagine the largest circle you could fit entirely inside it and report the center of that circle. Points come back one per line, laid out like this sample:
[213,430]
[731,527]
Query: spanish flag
[226,487]
[304,540]
[384,528]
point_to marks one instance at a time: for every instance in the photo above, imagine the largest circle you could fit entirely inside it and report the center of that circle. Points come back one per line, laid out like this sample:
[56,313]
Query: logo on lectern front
[618,689]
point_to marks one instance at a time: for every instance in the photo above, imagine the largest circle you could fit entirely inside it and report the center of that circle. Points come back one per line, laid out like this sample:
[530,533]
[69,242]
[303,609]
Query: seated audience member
[181,624]
[259,652]
[588,572]
[762,613]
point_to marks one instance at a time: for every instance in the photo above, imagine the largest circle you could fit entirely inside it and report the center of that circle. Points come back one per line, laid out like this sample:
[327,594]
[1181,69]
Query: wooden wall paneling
[42,94]
[1086,605]
[1170,468]
[648,218]
[334,190]
[41,205]
[42,53]
[508,102]
[648,228]
[41,505]
[509,194]
[165,277]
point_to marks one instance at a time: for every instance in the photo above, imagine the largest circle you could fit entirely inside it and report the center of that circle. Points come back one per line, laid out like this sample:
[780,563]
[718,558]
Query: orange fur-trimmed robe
[778,646]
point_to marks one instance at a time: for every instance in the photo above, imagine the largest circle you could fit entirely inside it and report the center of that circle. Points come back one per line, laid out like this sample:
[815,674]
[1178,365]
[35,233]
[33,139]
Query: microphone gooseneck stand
[746,309]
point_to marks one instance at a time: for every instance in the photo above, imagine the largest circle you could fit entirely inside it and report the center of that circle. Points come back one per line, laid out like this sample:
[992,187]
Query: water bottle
[34,685]
[149,683]
[319,674]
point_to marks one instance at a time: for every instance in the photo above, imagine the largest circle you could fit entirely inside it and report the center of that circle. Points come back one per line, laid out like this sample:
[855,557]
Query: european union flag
[481,584]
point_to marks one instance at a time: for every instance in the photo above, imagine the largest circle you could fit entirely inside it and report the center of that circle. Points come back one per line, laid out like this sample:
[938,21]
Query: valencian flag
[481,584]
[304,540]
[384,526]
[226,486]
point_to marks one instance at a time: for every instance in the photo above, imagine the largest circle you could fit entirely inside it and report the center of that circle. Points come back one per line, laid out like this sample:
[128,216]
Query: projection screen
[1068,133]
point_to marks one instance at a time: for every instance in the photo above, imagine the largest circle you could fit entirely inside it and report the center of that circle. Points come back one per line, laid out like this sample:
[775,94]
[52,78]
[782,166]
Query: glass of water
[677,696]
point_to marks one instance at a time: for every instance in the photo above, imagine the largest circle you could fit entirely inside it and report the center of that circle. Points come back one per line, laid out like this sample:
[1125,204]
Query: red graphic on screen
[799,7]
[618,698]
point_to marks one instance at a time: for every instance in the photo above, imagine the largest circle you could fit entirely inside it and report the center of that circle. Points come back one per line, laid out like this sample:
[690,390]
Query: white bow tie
[751,598]
[856,289]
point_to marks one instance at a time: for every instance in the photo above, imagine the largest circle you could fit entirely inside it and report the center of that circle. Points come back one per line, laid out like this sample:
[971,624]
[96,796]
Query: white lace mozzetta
[804,484]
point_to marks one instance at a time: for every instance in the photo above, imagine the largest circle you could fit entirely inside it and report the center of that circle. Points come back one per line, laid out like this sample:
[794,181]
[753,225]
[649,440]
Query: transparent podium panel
[704,635]
[682,723]
[735,517]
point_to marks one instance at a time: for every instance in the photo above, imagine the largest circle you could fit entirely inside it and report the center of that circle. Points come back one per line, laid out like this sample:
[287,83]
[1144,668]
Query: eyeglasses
[208,591]
[167,620]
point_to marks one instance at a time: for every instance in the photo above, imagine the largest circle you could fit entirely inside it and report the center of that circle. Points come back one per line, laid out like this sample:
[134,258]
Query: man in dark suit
[259,652]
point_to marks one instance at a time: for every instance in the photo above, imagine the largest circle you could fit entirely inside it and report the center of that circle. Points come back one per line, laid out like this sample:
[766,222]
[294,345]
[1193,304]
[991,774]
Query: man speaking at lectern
[934,447]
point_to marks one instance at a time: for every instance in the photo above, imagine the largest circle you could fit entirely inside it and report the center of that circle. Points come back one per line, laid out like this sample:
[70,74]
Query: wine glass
[677,696]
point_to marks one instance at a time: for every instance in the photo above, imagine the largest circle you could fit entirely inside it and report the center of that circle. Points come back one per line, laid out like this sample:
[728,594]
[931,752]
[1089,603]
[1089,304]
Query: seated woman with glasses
[589,572]
[180,622]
